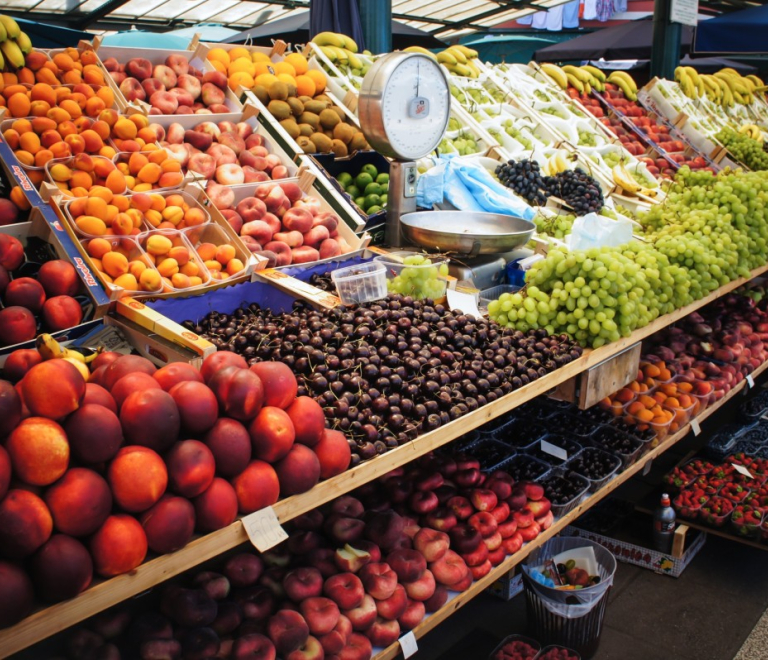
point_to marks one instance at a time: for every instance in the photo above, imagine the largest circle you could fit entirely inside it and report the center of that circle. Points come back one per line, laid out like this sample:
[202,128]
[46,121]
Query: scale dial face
[404,106]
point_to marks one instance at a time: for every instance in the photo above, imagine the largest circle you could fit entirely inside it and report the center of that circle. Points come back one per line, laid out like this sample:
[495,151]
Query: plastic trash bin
[570,618]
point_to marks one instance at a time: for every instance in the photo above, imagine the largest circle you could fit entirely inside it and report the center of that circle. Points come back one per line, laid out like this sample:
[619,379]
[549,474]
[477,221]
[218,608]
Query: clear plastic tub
[709,517]
[687,510]
[525,468]
[491,454]
[525,647]
[521,434]
[133,252]
[560,477]
[109,233]
[574,423]
[400,274]
[214,235]
[734,492]
[576,464]
[557,652]
[361,283]
[125,156]
[494,293]
[69,162]
[571,448]
[623,445]
[490,429]
[742,528]
[681,415]
[178,239]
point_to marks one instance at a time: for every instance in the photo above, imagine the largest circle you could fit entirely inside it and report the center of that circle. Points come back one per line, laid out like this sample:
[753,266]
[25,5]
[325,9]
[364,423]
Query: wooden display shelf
[560,524]
[107,593]
[723,533]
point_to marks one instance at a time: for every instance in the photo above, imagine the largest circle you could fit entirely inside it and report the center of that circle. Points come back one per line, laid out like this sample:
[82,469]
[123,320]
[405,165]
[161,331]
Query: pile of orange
[247,68]
[79,175]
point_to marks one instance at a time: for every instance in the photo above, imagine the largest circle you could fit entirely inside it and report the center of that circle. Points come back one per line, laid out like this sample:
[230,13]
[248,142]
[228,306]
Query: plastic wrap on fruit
[593,230]
[469,187]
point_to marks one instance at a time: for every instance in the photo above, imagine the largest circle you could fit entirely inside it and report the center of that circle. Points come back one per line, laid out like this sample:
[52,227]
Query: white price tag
[408,642]
[264,529]
[554,450]
[742,470]
[750,381]
[463,301]
[695,426]
[647,468]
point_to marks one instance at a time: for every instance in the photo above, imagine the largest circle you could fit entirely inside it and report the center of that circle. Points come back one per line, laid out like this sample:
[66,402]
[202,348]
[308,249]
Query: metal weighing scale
[404,107]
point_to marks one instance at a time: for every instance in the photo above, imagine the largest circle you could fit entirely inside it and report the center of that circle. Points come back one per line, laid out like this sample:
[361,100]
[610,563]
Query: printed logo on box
[87,276]
[23,179]
[190,335]
[135,305]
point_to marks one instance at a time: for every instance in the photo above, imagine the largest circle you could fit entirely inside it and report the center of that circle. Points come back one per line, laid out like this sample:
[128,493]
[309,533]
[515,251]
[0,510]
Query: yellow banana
[624,179]
[350,44]
[475,71]
[755,80]
[329,52]
[50,349]
[2,61]
[341,54]
[444,57]
[573,81]
[24,43]
[594,72]
[622,84]
[577,72]
[3,33]
[461,58]
[13,55]
[462,70]
[419,49]
[469,53]
[12,28]
[354,61]
[623,75]
[330,39]
[80,366]
[557,74]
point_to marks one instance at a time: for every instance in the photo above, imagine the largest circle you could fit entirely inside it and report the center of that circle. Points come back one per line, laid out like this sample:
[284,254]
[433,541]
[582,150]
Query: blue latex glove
[541,578]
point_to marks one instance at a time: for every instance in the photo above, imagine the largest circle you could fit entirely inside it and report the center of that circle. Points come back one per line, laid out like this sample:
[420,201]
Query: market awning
[738,32]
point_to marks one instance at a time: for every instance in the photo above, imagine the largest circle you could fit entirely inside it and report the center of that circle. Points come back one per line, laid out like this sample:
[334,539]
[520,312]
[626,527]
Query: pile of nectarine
[28,302]
[226,152]
[281,223]
[171,88]
[94,474]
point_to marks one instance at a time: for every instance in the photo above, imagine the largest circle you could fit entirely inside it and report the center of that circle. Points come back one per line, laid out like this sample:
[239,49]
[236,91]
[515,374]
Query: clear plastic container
[560,477]
[745,529]
[571,448]
[133,252]
[361,283]
[396,271]
[681,415]
[526,647]
[521,434]
[734,492]
[557,652]
[690,510]
[575,424]
[490,429]
[593,452]
[524,468]
[491,454]
[125,157]
[494,293]
[109,233]
[69,162]
[607,440]
[215,235]
[178,239]
[707,516]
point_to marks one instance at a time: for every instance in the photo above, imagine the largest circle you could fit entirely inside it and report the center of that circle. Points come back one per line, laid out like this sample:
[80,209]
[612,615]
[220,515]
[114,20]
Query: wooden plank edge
[559,525]
[715,531]
[51,620]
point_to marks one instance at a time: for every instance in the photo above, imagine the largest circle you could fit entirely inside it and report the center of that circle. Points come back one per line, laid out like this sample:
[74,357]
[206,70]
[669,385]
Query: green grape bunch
[420,278]
[744,149]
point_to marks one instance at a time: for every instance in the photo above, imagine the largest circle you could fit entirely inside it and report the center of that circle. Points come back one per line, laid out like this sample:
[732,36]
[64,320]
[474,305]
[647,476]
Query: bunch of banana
[458,60]
[625,83]
[341,50]
[690,82]
[50,349]
[625,181]
[750,130]
[556,163]
[14,44]
[742,88]
[556,73]
[714,91]
[419,49]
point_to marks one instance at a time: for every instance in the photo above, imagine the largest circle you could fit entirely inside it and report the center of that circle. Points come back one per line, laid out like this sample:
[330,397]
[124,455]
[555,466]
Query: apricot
[138,478]
[216,508]
[61,569]
[150,418]
[119,546]
[94,432]
[16,594]
[256,487]
[169,524]
[25,524]
[191,468]
[39,450]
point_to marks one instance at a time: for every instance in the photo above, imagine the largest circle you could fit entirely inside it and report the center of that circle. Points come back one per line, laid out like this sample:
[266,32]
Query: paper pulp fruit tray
[91,296]
[196,58]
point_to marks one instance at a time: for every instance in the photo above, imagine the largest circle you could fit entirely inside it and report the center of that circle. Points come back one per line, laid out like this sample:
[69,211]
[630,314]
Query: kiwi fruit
[278,91]
[329,133]
[322,142]
[309,118]
[343,132]
[306,129]
[315,107]
[305,99]
[358,142]
[339,112]
[329,119]
[291,127]
[279,109]
[306,144]
[297,107]
[261,93]
[324,99]
[338,148]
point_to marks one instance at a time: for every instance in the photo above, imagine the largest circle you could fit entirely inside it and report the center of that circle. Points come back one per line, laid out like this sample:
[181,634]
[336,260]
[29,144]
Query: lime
[373,209]
[384,187]
[363,179]
[383,199]
[371,200]
[372,189]
[345,179]
[382,178]
[370,169]
[360,201]
[354,191]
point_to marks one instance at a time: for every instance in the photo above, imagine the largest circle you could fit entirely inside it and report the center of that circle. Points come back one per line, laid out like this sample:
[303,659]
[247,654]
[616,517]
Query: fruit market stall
[386,460]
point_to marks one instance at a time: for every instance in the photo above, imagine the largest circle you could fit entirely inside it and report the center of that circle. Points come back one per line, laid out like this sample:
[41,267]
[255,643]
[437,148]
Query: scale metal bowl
[466,233]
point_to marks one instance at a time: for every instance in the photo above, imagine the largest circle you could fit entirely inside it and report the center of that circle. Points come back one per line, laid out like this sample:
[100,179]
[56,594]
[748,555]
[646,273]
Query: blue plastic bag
[469,187]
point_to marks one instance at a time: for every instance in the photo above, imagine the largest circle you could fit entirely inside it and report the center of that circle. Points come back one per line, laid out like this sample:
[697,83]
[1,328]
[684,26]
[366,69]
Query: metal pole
[665,51]
[376,20]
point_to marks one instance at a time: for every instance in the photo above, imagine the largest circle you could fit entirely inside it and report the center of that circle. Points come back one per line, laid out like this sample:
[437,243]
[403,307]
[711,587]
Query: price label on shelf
[408,644]
[554,450]
[647,468]
[463,301]
[750,381]
[742,470]
[695,427]
[264,529]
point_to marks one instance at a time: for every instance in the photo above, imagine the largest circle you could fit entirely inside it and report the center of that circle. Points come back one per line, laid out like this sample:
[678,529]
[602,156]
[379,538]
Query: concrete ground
[716,609]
